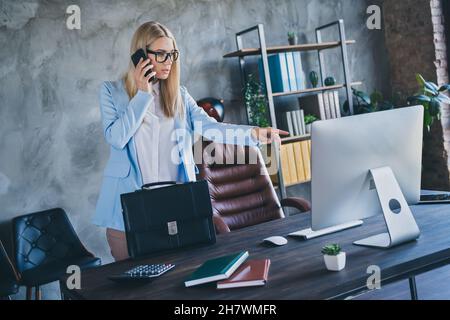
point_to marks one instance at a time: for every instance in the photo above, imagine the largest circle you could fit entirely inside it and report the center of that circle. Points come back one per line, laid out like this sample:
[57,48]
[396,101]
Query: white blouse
[156,144]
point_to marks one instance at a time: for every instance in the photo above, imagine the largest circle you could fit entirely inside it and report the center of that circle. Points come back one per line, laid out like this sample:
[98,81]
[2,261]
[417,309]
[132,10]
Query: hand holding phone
[143,73]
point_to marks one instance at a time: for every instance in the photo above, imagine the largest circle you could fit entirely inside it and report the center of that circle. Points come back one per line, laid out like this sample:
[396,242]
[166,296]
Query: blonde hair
[170,97]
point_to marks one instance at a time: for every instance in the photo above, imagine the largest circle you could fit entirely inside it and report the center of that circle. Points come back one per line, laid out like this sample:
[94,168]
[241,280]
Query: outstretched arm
[208,127]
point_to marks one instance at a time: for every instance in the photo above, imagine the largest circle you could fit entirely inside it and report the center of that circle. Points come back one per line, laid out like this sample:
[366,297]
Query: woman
[149,126]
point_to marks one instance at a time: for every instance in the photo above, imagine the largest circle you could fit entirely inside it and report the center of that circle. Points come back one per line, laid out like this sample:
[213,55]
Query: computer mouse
[276,240]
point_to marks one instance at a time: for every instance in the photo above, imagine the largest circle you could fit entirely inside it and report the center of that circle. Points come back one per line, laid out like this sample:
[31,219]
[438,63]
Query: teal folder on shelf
[279,76]
[286,72]
[216,269]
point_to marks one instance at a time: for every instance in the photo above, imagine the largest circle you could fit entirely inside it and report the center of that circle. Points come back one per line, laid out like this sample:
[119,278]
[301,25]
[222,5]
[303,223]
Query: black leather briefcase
[167,218]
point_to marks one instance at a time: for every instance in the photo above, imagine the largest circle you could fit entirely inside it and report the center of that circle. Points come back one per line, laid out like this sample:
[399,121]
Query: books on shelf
[337,104]
[288,124]
[278,70]
[294,122]
[324,105]
[295,159]
[292,163]
[286,72]
[216,269]
[285,165]
[291,71]
[301,175]
[301,115]
[306,159]
[299,72]
[251,273]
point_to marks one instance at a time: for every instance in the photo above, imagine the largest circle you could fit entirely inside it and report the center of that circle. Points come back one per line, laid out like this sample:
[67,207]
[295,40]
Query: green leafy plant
[365,103]
[430,96]
[309,118]
[331,250]
[291,35]
[256,102]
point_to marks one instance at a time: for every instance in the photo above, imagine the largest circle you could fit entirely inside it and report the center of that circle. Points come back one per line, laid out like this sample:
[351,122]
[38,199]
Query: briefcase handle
[148,185]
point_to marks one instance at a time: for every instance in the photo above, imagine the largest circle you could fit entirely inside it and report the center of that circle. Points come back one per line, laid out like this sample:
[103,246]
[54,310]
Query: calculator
[144,272]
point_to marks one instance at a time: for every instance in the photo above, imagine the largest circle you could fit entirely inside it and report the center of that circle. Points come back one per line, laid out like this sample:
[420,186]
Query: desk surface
[297,270]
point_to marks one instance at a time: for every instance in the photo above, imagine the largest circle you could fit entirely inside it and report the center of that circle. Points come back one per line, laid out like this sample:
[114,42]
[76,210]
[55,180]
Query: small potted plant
[309,119]
[292,38]
[334,257]
[314,78]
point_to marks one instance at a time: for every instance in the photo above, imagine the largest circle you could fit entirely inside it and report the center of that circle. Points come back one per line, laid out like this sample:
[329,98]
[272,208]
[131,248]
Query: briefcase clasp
[172,228]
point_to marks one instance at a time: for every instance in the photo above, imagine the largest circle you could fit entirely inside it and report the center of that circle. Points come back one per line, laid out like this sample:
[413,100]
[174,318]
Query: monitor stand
[398,217]
[400,222]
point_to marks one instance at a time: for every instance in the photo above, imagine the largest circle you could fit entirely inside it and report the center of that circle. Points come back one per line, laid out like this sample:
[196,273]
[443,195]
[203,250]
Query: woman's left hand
[268,135]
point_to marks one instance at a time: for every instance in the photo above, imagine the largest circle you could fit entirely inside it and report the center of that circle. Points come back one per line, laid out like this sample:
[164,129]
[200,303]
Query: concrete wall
[51,147]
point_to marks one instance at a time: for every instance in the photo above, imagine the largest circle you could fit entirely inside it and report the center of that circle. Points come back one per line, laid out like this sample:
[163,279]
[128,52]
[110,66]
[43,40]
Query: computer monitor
[345,150]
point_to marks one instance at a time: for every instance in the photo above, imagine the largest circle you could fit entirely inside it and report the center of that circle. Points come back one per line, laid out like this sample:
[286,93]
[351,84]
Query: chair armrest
[221,226]
[298,203]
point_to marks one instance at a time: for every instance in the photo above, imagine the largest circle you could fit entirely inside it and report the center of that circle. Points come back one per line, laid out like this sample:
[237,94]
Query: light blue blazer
[121,118]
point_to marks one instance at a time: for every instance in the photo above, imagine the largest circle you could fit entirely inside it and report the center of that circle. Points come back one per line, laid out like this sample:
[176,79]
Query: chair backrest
[8,275]
[241,194]
[44,237]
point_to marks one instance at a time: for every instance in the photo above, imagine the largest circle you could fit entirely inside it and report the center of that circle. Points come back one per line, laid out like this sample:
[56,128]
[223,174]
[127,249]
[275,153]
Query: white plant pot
[335,263]
[308,128]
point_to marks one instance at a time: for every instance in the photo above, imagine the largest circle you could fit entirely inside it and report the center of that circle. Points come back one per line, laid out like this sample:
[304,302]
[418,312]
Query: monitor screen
[343,152]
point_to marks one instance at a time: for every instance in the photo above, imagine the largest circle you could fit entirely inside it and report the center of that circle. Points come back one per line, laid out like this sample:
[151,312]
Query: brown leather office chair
[241,194]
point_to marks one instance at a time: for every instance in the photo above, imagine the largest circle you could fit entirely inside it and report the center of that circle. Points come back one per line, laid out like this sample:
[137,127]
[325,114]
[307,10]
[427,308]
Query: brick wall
[438,20]
[415,39]
[441,64]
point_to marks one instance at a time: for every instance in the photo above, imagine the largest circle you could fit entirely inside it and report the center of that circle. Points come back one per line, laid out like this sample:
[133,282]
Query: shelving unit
[318,89]
[319,46]
[279,49]
[296,139]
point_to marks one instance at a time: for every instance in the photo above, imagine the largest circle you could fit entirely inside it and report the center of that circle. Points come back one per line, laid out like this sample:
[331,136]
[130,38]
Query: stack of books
[286,72]
[295,160]
[231,271]
[323,105]
[251,273]
[294,122]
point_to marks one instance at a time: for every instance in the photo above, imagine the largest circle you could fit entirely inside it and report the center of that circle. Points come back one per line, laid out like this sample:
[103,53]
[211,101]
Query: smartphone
[435,198]
[140,53]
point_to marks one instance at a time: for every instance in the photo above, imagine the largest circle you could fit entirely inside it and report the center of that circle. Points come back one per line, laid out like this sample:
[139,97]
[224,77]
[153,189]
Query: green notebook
[216,269]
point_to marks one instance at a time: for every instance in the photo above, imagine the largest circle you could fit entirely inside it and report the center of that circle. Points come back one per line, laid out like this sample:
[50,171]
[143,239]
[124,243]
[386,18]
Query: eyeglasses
[162,57]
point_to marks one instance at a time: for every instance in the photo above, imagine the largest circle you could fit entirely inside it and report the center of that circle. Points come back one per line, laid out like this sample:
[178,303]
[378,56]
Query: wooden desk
[297,270]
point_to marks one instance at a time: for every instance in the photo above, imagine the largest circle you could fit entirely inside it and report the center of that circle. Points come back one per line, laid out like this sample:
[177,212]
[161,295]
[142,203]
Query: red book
[250,273]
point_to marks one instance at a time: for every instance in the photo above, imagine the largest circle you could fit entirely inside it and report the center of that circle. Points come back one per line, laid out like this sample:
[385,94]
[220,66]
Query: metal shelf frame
[263,51]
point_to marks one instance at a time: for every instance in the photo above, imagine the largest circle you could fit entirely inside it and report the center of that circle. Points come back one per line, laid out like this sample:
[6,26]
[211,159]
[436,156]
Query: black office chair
[9,278]
[45,244]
